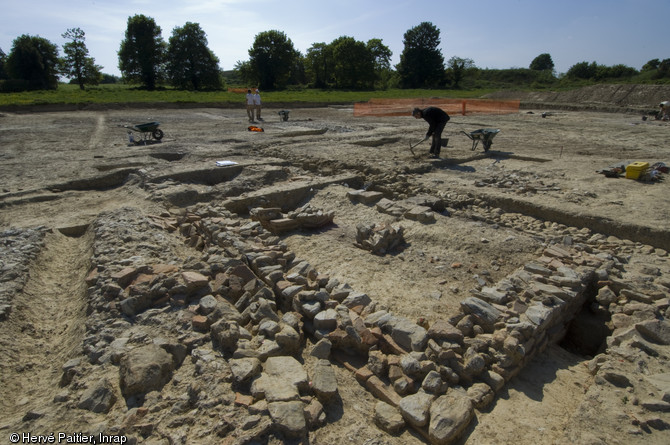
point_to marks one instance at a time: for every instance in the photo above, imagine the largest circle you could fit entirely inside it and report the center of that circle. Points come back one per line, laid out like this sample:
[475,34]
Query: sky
[495,34]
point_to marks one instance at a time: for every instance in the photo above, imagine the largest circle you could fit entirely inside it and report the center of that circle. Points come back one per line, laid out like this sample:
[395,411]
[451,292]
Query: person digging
[436,119]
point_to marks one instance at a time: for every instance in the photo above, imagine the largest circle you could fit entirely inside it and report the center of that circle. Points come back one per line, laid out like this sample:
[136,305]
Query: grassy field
[67,94]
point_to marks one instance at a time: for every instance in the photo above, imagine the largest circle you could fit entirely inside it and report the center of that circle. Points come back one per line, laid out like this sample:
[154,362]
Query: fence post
[463,108]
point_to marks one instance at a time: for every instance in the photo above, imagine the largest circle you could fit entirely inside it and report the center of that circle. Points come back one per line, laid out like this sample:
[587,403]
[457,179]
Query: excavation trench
[47,321]
[652,236]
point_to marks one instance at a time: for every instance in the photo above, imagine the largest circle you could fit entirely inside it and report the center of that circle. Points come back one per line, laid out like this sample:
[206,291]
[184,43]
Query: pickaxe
[412,147]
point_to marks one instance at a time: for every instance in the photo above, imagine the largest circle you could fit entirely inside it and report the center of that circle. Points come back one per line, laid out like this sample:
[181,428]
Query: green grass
[68,94]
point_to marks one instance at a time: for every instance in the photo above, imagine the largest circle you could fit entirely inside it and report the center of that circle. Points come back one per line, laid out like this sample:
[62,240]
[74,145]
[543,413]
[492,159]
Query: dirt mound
[614,97]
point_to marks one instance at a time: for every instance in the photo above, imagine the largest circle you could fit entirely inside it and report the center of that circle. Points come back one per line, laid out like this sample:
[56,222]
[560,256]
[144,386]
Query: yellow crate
[634,170]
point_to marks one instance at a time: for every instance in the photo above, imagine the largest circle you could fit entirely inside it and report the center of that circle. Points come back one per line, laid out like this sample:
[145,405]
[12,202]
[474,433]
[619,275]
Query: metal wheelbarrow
[146,131]
[283,115]
[485,135]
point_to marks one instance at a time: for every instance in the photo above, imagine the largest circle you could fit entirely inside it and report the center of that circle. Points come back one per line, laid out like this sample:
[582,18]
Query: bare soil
[62,169]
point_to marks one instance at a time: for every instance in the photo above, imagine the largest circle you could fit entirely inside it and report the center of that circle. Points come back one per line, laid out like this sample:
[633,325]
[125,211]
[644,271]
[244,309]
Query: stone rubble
[217,338]
[304,217]
[17,249]
[519,182]
[379,239]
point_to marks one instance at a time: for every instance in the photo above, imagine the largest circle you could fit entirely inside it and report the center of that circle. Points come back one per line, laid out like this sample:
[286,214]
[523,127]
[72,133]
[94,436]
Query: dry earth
[61,170]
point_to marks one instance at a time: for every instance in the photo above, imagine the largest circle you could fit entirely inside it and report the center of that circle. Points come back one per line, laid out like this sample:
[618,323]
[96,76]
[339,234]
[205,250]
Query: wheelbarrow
[146,132]
[485,135]
[283,115]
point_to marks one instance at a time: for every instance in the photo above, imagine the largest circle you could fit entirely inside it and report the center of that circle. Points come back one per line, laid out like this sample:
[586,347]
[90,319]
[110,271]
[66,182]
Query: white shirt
[250,99]
[257,99]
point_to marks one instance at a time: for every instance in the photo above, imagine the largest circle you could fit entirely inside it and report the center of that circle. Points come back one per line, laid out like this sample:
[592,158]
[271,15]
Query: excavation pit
[495,241]
[74,231]
[168,156]
[586,334]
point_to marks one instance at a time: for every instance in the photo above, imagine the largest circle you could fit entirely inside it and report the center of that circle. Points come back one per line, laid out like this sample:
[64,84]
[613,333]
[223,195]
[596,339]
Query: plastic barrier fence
[403,107]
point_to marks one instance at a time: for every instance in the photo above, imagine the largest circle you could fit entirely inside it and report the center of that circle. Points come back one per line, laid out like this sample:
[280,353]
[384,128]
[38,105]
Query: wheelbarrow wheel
[157,134]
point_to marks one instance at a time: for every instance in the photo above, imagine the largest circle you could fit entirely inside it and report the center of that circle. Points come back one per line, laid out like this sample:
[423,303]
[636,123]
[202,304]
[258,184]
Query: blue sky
[493,33]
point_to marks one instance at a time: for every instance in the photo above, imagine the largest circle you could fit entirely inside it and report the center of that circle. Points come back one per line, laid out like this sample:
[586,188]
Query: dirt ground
[62,169]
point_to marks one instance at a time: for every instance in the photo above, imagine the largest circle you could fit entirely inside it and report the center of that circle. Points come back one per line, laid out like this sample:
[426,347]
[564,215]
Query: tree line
[186,62]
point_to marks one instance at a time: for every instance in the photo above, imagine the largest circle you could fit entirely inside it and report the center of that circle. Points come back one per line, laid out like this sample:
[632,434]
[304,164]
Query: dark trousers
[437,139]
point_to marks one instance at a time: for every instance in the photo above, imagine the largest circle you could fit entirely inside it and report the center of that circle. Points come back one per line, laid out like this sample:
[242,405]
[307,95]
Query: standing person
[257,104]
[436,119]
[664,114]
[250,106]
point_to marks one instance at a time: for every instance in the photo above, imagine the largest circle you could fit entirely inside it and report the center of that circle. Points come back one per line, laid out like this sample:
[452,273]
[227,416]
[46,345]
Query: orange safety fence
[404,107]
[238,90]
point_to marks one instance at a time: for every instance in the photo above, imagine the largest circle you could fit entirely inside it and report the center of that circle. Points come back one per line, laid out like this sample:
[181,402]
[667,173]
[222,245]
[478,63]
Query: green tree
[109,78]
[271,59]
[298,72]
[142,52]
[542,62]
[245,72]
[457,67]
[34,60]
[594,72]
[319,63]
[663,69]
[190,63]
[354,64]
[582,70]
[3,59]
[381,56]
[76,64]
[619,71]
[651,65]
[658,69]
[421,62]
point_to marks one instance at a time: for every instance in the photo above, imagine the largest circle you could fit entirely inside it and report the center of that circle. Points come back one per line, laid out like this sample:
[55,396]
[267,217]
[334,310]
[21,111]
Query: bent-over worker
[437,119]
